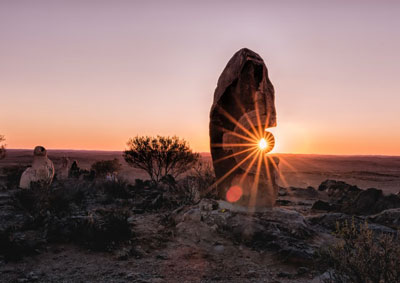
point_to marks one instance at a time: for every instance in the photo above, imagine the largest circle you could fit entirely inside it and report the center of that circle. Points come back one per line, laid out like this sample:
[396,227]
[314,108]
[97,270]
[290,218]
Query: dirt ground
[177,260]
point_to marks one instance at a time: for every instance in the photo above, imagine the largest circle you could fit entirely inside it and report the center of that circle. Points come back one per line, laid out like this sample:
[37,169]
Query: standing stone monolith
[41,172]
[243,107]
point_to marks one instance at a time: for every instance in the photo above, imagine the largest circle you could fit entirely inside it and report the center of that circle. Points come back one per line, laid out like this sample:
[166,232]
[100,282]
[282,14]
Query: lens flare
[248,143]
[262,144]
[234,194]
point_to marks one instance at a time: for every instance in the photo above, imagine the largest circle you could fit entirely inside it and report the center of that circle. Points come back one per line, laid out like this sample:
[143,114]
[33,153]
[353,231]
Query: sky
[91,74]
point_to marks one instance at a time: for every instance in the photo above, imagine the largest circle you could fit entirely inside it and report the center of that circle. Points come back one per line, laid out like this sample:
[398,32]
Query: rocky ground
[97,231]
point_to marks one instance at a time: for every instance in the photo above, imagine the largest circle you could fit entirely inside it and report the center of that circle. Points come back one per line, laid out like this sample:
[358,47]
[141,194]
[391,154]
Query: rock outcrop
[351,200]
[243,108]
[338,189]
[280,230]
[41,172]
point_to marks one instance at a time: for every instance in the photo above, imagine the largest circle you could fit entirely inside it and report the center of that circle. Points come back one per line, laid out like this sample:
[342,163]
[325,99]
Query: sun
[262,144]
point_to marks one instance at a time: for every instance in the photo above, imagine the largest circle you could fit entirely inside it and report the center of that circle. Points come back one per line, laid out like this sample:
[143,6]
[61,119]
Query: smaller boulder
[389,218]
[371,201]
[338,189]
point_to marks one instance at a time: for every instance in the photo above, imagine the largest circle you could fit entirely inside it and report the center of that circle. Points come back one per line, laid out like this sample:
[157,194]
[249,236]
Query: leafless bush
[204,177]
[103,228]
[360,256]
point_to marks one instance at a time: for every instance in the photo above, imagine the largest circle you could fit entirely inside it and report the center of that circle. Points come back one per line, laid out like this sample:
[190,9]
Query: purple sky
[91,74]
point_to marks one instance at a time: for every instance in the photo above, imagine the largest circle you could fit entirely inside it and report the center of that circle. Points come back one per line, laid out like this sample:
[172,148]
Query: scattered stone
[352,200]
[370,201]
[41,172]
[337,189]
[219,248]
[389,217]
[276,229]
[308,192]
[282,192]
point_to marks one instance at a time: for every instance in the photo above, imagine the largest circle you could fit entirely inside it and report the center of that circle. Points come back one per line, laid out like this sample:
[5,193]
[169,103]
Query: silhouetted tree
[2,147]
[160,156]
[104,167]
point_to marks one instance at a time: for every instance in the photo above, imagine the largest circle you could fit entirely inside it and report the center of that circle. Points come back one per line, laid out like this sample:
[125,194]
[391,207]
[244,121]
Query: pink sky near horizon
[92,74]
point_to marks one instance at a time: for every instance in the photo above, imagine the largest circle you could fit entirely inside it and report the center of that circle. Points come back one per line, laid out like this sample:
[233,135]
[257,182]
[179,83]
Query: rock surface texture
[42,170]
[242,109]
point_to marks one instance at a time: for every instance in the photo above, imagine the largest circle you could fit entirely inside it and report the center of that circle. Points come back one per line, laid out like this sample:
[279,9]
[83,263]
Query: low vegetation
[12,175]
[104,167]
[160,156]
[92,213]
[361,256]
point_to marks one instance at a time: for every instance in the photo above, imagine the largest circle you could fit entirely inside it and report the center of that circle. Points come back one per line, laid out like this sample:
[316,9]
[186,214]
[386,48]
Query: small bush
[204,177]
[103,229]
[160,156]
[34,200]
[117,189]
[75,171]
[57,199]
[13,175]
[360,256]
[104,167]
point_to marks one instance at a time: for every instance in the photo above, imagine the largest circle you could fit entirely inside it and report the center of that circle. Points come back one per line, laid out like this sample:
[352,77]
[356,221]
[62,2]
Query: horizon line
[208,152]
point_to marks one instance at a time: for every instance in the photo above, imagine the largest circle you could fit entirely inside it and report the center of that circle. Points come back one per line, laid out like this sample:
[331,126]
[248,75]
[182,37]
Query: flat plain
[297,170]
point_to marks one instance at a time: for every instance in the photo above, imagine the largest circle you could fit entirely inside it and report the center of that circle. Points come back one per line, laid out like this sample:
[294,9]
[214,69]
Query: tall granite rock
[243,107]
[41,172]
